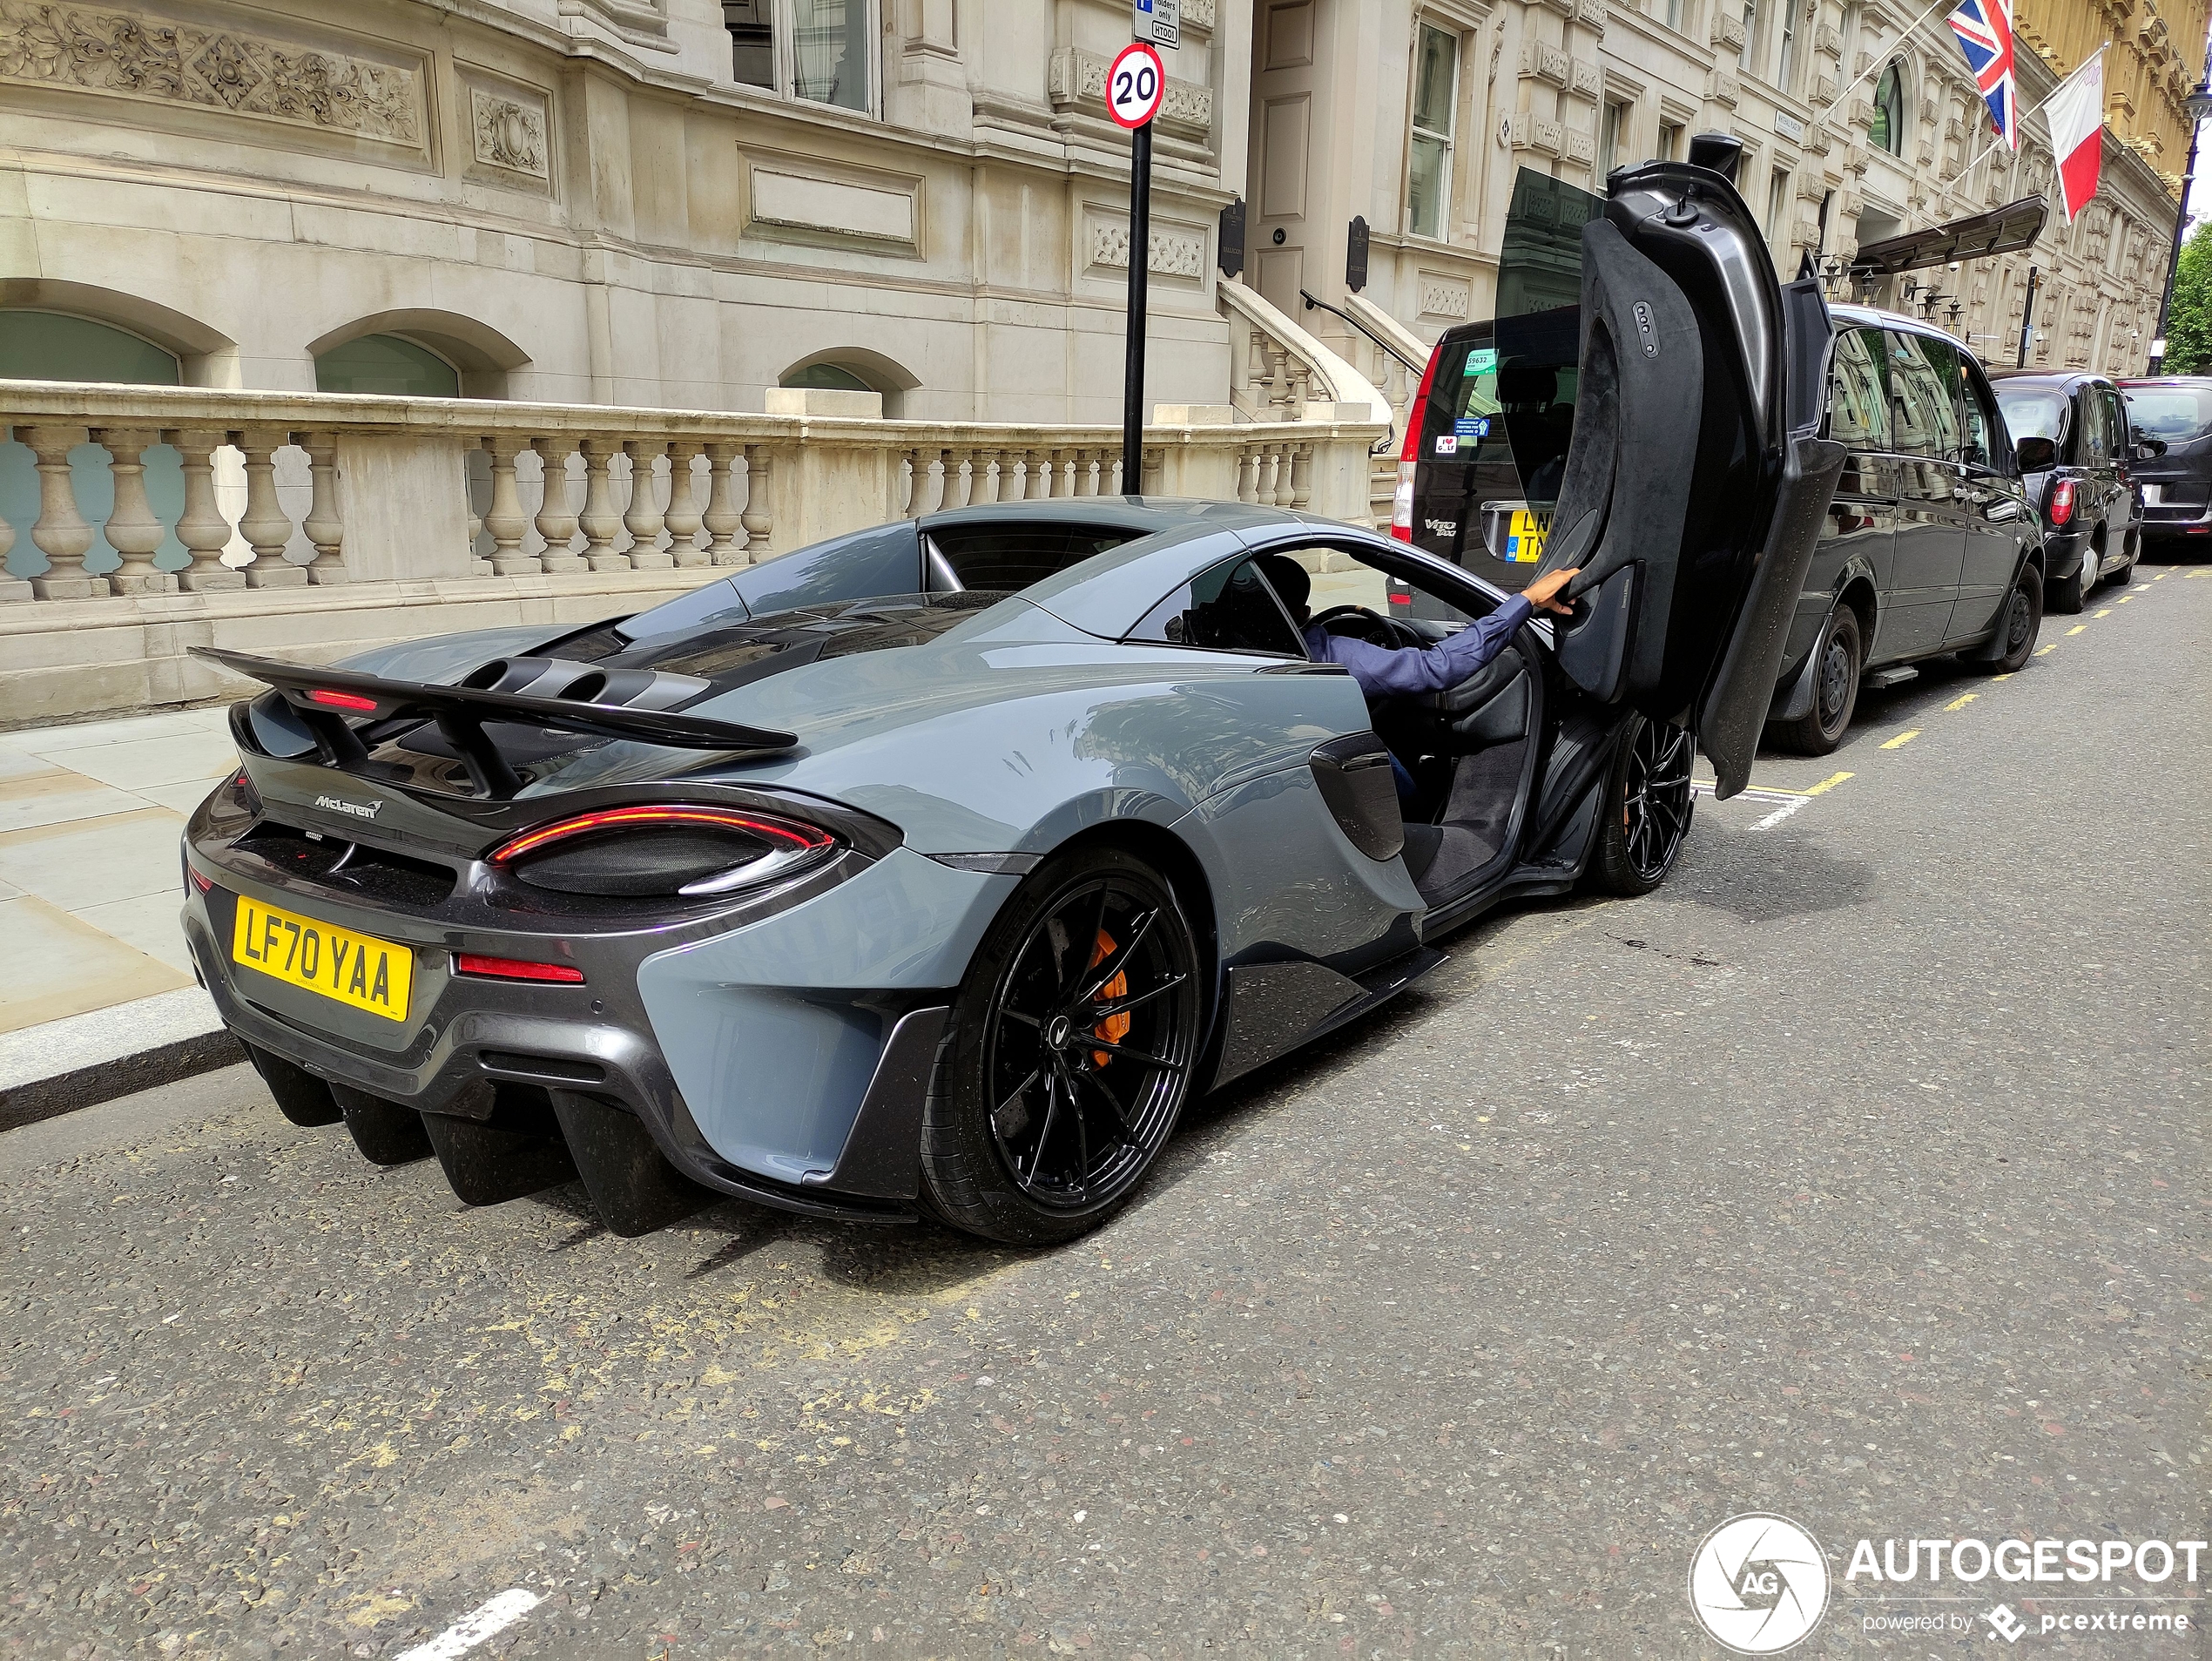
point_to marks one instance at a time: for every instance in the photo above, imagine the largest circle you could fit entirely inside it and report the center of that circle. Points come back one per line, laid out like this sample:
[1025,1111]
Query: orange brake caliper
[1114,1028]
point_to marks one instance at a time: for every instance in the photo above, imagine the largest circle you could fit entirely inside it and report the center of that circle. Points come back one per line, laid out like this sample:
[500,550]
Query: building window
[815,49]
[1611,124]
[1428,172]
[386,365]
[1788,64]
[1886,131]
[1669,145]
[51,345]
[1745,58]
[1778,204]
[1672,9]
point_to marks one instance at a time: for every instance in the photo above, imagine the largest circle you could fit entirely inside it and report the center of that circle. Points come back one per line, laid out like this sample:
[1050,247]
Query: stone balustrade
[1279,373]
[164,517]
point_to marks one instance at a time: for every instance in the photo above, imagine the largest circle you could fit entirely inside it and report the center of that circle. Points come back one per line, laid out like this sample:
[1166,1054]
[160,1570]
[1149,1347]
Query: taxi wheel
[2021,620]
[1648,801]
[2071,594]
[1835,689]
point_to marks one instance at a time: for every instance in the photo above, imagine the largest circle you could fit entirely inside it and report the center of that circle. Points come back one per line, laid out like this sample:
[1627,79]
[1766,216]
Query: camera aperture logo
[1759,1584]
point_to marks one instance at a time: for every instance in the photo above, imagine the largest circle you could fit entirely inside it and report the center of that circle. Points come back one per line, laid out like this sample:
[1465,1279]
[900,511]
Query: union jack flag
[1985,31]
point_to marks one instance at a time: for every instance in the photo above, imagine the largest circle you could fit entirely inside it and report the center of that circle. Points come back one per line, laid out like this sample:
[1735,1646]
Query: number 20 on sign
[1135,84]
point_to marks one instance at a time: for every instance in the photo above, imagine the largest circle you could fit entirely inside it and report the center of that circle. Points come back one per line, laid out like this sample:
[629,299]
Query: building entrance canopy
[2002,230]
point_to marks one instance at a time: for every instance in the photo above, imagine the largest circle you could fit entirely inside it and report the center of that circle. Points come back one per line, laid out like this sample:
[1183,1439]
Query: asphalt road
[1858,1176]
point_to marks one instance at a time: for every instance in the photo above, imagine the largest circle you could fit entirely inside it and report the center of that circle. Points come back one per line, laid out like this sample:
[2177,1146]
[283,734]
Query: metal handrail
[1311,302]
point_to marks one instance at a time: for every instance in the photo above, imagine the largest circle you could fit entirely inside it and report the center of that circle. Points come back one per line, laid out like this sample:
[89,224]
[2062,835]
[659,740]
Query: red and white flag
[2076,113]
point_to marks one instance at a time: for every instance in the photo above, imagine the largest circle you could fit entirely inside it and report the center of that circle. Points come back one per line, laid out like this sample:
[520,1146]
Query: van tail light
[2062,504]
[1401,504]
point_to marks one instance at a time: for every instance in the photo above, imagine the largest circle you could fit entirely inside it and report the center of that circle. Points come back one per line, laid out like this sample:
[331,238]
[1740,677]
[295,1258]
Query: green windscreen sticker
[1481,362]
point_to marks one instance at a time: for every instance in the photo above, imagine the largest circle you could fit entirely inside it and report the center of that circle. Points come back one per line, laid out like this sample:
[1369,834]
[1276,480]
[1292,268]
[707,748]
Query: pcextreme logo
[1759,1584]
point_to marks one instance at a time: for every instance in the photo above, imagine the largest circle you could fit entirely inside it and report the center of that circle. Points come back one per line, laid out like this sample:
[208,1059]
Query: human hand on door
[1539,594]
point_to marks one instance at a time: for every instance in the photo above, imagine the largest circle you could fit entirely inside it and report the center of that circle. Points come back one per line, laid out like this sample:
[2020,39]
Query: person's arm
[1400,671]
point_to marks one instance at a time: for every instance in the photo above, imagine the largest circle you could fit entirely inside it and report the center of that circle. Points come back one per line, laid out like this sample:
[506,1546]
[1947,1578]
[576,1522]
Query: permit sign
[1158,22]
[1135,84]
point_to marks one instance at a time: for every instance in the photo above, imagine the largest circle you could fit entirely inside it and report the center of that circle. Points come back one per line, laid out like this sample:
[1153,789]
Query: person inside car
[1400,671]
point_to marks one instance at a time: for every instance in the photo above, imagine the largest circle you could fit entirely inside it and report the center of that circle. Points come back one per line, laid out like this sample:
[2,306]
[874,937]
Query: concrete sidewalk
[95,985]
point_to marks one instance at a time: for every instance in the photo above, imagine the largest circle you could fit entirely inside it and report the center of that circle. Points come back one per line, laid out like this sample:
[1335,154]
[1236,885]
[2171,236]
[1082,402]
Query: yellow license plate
[1525,538]
[360,969]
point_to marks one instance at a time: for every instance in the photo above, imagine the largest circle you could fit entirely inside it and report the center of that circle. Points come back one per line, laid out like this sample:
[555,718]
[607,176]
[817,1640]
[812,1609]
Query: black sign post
[1136,84]
[1140,246]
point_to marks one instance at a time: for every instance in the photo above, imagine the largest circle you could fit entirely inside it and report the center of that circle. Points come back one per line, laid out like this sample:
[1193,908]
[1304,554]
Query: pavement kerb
[60,1066]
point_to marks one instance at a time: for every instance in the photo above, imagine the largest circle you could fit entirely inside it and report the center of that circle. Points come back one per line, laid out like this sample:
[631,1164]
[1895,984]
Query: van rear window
[2174,414]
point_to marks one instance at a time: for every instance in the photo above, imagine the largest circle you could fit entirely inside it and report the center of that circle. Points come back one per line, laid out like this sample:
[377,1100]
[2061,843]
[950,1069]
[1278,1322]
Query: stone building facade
[683,204]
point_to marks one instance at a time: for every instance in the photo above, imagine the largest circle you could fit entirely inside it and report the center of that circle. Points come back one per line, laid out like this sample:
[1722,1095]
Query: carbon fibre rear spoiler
[323,698]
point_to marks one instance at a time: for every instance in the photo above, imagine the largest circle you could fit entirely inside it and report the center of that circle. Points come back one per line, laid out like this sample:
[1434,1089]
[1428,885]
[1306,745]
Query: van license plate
[358,969]
[1525,537]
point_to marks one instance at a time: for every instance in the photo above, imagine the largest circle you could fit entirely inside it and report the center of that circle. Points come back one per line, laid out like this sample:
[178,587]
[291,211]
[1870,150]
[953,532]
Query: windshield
[2033,414]
[2174,414]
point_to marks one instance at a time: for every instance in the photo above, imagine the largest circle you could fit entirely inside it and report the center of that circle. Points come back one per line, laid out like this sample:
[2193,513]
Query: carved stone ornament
[104,50]
[510,131]
[1444,296]
[1169,253]
[1078,77]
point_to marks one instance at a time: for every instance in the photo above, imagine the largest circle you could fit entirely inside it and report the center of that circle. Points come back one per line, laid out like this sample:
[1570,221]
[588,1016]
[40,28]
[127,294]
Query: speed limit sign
[1135,84]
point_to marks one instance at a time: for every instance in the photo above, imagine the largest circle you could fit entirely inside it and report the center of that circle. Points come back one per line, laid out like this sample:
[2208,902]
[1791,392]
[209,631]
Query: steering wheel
[1370,626]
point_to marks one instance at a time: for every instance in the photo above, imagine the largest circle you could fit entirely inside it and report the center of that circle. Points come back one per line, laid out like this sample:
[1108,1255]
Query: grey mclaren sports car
[933,870]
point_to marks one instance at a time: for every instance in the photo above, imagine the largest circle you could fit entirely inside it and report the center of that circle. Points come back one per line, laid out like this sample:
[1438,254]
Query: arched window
[388,365]
[53,346]
[854,369]
[1886,131]
[828,377]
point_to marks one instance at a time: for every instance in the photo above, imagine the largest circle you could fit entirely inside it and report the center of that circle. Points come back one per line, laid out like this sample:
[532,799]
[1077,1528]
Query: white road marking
[467,1633]
[1784,802]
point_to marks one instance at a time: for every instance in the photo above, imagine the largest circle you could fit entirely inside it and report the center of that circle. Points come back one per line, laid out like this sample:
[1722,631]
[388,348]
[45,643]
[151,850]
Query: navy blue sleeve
[1398,672]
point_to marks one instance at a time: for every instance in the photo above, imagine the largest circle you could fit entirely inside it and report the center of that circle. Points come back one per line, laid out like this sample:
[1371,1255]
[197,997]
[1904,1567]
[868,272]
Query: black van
[2174,412]
[1930,545]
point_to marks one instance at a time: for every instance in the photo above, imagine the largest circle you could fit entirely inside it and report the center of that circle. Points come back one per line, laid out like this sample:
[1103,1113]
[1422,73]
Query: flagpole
[1882,59]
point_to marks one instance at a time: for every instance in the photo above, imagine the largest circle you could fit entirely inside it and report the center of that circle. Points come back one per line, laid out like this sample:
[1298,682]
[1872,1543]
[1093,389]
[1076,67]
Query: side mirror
[2147,448]
[2035,455]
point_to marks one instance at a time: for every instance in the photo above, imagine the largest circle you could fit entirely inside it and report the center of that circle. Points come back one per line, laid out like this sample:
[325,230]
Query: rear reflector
[514,968]
[323,695]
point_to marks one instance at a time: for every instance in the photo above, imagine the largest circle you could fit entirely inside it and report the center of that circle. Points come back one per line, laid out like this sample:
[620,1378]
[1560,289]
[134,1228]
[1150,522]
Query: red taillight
[788,835]
[2062,503]
[204,884]
[330,699]
[1401,504]
[514,968]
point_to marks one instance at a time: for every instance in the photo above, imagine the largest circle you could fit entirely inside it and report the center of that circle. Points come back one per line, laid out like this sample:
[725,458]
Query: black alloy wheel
[2018,625]
[1835,688]
[1071,1050]
[1649,804]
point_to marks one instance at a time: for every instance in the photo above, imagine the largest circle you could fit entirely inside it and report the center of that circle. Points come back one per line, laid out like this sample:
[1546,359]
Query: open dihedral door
[1692,480]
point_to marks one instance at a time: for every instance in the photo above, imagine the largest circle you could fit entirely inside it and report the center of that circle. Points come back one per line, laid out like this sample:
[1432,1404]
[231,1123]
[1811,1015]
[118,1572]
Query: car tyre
[2017,624]
[1838,659]
[1648,802]
[2071,594]
[1072,1049]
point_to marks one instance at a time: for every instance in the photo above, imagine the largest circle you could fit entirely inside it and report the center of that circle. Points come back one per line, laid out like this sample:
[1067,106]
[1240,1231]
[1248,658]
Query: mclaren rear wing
[324,699]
